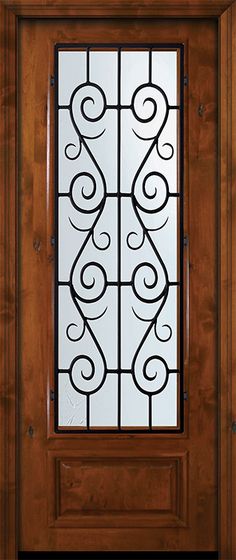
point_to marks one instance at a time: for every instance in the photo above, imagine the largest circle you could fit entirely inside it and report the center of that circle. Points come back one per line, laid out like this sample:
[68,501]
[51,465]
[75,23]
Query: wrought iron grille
[113,284]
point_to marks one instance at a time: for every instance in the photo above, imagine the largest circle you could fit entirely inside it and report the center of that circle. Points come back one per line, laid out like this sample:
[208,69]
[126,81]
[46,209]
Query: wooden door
[141,487]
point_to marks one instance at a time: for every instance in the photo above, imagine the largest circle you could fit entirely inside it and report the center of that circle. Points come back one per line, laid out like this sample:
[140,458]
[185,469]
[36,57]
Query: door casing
[11,11]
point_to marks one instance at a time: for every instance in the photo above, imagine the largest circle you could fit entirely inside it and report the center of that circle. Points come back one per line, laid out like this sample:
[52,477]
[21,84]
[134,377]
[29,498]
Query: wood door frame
[10,13]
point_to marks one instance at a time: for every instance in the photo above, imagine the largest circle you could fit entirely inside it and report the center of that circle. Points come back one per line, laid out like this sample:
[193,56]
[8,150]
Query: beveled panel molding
[93,491]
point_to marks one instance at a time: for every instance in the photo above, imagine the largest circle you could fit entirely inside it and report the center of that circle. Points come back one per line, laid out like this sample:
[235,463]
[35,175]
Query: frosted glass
[104,403]
[72,71]
[118,271]
[134,404]
[164,73]
[164,409]
[72,407]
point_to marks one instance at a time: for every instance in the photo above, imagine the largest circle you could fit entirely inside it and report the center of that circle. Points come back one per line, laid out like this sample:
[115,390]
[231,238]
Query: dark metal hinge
[52,81]
[186,240]
[186,80]
[185,395]
[52,240]
[52,395]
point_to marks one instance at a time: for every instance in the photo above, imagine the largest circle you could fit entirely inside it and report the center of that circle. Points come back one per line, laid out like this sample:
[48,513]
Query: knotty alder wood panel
[162,479]
[120,8]
[43,491]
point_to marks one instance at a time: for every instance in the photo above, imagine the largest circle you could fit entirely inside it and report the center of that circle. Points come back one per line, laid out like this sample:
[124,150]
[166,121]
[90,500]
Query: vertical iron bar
[56,202]
[150,66]
[150,397]
[88,411]
[181,234]
[87,64]
[119,236]
[150,411]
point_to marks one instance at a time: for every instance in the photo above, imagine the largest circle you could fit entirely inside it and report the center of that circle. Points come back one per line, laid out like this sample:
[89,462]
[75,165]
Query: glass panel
[119,238]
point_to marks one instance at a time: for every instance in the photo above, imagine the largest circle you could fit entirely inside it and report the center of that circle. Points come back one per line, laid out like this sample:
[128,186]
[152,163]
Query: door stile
[227,279]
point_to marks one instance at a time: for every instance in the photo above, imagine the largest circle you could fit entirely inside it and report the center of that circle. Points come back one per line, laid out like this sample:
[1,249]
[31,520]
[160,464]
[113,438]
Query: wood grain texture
[36,284]
[227,280]
[9,12]
[8,287]
[120,8]
[233,292]
[147,491]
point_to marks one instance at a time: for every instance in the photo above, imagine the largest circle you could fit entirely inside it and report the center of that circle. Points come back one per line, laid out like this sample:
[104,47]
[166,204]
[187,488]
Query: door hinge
[186,240]
[185,395]
[52,81]
[52,395]
[186,80]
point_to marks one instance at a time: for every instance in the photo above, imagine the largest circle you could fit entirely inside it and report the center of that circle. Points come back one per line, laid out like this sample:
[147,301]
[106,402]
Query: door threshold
[167,555]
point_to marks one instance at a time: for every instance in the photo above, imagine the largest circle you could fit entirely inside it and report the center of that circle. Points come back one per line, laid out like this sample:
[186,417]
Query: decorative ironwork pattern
[113,281]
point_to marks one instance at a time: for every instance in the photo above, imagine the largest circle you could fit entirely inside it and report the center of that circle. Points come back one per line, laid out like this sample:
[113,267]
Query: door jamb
[10,13]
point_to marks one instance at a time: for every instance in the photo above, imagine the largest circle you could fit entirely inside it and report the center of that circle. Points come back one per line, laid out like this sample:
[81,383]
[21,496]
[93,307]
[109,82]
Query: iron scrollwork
[149,280]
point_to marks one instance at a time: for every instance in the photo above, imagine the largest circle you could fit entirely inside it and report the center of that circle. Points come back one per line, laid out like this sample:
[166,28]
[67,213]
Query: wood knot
[37,244]
[201,110]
